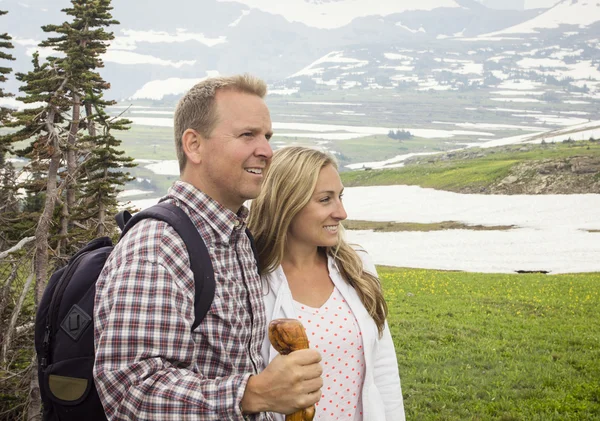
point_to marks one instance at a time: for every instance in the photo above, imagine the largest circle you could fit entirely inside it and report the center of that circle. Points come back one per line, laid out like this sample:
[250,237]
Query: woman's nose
[340,212]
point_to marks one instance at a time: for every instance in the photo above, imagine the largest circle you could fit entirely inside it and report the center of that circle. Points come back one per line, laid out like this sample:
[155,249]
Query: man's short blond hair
[196,109]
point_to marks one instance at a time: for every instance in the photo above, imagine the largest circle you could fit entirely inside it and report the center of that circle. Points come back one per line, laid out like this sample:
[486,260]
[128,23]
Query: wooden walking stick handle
[288,335]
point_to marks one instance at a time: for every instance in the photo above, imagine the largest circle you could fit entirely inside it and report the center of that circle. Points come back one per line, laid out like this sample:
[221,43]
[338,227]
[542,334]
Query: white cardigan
[381,392]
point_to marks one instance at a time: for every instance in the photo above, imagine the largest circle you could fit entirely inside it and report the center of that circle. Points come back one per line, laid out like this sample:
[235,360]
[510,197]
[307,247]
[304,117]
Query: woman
[314,276]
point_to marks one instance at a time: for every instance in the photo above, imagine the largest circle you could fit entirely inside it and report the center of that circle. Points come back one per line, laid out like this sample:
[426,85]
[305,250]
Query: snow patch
[157,89]
[238,20]
[128,57]
[570,12]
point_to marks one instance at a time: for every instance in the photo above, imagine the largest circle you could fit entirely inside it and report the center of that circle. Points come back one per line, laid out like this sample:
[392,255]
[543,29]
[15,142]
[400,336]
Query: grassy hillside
[480,170]
[496,346]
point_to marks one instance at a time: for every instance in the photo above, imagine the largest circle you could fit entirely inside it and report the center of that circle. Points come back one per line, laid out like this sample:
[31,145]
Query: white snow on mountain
[130,38]
[414,31]
[572,12]
[337,13]
[346,63]
[129,57]
[238,20]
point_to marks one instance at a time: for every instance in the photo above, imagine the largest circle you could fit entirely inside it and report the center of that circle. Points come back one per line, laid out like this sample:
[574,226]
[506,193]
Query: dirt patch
[388,226]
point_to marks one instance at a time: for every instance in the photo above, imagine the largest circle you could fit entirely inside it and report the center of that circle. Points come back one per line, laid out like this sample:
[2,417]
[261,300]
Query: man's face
[237,153]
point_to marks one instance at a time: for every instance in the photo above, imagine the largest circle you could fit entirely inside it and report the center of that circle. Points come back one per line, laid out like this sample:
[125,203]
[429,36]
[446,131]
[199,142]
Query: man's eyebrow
[254,129]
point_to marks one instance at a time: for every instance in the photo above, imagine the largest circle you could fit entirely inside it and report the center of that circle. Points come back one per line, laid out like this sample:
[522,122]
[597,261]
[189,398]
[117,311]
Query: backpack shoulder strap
[122,218]
[200,262]
[253,245]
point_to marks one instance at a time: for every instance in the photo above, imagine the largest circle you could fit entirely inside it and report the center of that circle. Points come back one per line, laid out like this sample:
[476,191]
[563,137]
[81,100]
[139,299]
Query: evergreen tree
[8,199]
[103,172]
[64,146]
[4,44]
[82,41]
[65,85]
[44,127]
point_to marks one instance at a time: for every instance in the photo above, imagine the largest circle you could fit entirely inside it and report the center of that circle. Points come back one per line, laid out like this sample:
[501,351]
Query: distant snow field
[151,121]
[329,131]
[283,91]
[484,251]
[516,99]
[507,92]
[152,112]
[519,84]
[513,110]
[489,126]
[397,161]
[133,192]
[550,231]
[395,56]
[550,235]
[169,167]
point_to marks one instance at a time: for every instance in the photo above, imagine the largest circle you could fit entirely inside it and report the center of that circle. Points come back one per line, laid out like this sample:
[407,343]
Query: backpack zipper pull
[46,345]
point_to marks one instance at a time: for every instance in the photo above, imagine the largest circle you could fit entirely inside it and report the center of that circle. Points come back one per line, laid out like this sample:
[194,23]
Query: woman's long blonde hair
[288,187]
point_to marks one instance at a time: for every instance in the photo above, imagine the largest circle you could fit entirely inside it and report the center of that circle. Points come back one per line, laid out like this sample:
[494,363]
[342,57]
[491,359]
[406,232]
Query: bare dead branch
[15,317]
[6,290]
[24,328]
[17,247]
[34,410]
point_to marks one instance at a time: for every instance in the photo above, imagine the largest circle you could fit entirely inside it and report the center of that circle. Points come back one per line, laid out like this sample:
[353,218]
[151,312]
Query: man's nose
[264,149]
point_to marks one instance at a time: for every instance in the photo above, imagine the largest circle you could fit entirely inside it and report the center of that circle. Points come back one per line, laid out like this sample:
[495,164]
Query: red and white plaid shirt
[149,364]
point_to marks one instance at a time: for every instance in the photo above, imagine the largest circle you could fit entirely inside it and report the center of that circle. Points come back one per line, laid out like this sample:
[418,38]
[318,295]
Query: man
[149,364]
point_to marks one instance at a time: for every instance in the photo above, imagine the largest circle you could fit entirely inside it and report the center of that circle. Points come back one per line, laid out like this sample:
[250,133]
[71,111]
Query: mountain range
[160,51]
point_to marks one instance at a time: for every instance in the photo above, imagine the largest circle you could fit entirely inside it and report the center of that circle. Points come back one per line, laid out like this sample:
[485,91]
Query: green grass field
[148,142]
[381,147]
[473,346]
[502,347]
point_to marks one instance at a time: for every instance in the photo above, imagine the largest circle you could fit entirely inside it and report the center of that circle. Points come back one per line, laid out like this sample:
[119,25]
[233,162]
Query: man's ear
[191,143]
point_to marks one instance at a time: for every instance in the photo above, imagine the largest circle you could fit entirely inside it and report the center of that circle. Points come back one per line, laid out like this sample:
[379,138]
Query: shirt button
[236,223]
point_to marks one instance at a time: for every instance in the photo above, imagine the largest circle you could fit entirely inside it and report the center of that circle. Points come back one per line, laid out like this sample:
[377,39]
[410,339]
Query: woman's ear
[191,143]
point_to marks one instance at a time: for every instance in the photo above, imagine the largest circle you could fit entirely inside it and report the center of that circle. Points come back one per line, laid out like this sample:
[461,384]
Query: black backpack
[64,333]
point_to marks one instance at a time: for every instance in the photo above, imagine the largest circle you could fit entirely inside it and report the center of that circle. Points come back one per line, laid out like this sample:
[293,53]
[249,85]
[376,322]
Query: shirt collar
[222,220]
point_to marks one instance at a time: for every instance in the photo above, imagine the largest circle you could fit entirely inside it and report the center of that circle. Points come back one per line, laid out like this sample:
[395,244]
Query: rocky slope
[577,173]
[573,175]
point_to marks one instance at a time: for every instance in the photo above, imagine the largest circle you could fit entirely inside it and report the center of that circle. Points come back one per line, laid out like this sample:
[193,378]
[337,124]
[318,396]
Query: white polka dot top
[333,331]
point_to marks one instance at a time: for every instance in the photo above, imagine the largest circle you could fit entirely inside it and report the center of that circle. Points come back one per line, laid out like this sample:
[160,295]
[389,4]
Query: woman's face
[318,223]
